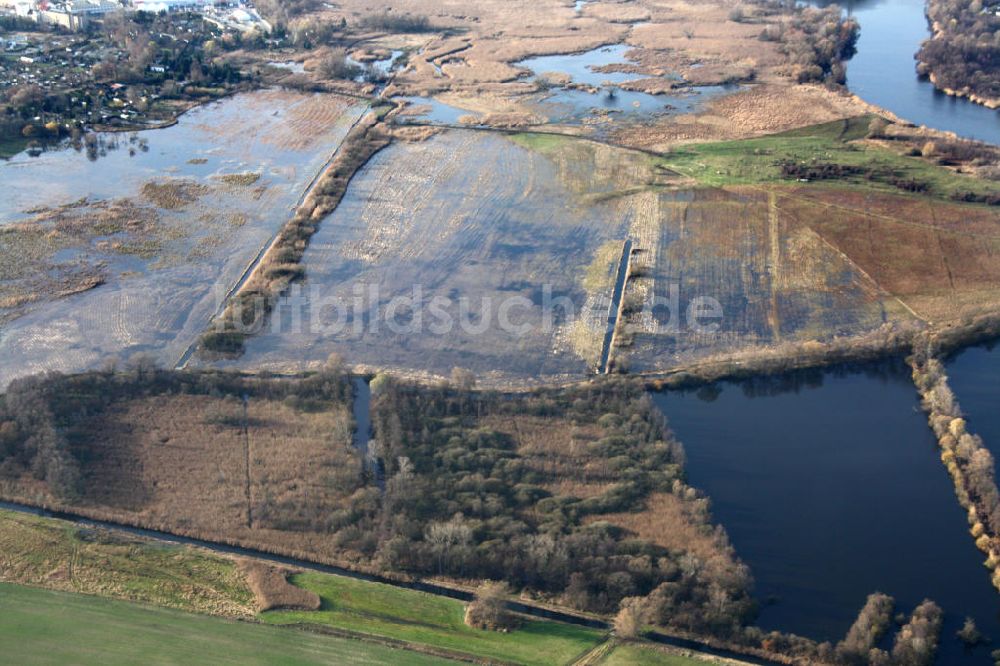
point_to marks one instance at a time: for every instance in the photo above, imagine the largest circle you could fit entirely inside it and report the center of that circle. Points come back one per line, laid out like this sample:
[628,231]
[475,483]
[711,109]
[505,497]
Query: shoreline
[937,33]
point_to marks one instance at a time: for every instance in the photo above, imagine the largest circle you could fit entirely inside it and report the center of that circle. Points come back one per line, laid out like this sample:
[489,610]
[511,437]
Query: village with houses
[79,14]
[111,64]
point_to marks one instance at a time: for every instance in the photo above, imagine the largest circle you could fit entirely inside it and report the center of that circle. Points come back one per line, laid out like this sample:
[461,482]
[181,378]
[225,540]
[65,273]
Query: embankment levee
[288,557]
[887,341]
[969,463]
[615,307]
[249,305]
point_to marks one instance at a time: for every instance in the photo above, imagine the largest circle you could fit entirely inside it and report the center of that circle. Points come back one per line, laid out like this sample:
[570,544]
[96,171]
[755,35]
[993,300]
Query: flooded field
[500,254]
[594,89]
[430,110]
[127,244]
[469,250]
[766,276]
[584,89]
[831,488]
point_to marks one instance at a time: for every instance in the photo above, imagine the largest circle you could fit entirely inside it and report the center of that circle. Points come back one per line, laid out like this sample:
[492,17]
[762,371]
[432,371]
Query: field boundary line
[541,132]
[882,290]
[255,262]
[774,240]
[884,217]
[397,643]
[596,654]
[611,330]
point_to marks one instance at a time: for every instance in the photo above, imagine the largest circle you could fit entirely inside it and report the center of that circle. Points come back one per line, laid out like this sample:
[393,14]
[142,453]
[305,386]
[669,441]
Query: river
[883,71]
[830,487]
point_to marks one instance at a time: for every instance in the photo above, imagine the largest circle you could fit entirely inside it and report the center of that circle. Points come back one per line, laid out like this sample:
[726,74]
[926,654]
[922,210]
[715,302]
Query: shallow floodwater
[255,132]
[569,105]
[436,112]
[974,376]
[466,250]
[160,302]
[883,71]
[830,487]
[581,66]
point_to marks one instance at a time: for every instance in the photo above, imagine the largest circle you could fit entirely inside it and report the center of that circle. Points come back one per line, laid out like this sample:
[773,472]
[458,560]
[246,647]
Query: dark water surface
[974,376]
[830,487]
[883,71]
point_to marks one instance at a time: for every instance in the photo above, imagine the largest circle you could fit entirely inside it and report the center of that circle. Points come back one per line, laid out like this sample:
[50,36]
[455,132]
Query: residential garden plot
[129,244]
[774,279]
[463,226]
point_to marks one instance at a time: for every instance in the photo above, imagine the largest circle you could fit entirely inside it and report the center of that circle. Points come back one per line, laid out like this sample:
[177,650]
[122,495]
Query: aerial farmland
[549,332]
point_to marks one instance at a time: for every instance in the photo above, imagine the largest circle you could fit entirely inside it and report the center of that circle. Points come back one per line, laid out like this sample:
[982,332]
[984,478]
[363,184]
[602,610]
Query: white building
[157,6]
[75,14]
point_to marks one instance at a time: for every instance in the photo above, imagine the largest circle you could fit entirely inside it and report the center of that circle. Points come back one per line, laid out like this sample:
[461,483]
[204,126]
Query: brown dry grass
[29,271]
[558,450]
[240,179]
[173,193]
[272,590]
[942,260]
[472,53]
[702,31]
[762,109]
[54,555]
[664,520]
[177,462]
[414,134]
[616,12]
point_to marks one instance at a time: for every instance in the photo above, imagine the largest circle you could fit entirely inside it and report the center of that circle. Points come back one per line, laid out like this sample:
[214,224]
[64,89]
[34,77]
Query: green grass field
[755,161]
[417,617]
[633,654]
[45,627]
[111,564]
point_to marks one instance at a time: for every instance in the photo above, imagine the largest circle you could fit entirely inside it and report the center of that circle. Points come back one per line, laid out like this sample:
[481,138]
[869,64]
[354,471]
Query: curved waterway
[830,487]
[883,71]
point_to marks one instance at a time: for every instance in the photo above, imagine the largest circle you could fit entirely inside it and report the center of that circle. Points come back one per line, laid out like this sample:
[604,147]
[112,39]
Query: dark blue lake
[830,487]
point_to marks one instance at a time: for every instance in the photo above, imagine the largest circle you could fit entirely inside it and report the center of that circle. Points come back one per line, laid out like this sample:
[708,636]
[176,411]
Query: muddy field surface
[768,277]
[434,239]
[134,239]
[499,254]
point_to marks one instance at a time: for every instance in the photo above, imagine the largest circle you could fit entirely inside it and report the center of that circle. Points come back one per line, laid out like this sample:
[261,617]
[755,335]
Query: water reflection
[831,488]
[884,71]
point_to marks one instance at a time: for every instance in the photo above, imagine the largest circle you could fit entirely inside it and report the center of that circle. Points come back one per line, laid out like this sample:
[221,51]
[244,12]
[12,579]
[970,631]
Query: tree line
[460,496]
[964,51]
